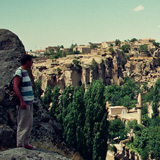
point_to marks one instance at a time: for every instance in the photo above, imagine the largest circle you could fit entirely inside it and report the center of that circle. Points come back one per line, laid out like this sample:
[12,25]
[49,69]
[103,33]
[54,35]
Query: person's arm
[16,82]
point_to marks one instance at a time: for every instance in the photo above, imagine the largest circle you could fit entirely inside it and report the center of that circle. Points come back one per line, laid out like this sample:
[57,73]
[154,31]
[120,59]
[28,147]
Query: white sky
[42,23]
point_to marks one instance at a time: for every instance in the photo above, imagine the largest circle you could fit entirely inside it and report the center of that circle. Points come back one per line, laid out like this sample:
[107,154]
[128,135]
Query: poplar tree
[64,100]
[74,120]
[55,100]
[96,125]
[47,97]
[156,96]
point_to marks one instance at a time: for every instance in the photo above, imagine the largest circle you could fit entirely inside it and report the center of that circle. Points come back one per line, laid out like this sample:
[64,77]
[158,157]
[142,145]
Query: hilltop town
[138,59]
[100,48]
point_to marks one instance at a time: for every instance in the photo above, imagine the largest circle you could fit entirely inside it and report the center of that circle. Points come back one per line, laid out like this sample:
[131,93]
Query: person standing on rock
[23,89]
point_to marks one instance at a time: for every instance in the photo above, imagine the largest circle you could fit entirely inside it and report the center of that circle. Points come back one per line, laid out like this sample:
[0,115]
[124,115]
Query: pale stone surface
[110,67]
[24,154]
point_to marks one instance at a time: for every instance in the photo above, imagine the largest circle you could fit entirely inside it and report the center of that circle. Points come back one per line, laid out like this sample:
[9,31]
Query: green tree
[130,87]
[148,97]
[140,142]
[96,125]
[94,65]
[74,121]
[148,141]
[156,44]
[156,97]
[51,51]
[47,97]
[133,125]
[113,94]
[64,100]
[111,49]
[59,71]
[123,95]
[117,42]
[93,46]
[143,48]
[126,48]
[133,40]
[71,49]
[77,64]
[55,100]
[116,129]
[38,89]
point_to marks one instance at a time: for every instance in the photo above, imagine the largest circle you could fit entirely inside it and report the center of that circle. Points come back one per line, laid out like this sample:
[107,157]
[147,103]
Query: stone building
[51,48]
[82,49]
[124,114]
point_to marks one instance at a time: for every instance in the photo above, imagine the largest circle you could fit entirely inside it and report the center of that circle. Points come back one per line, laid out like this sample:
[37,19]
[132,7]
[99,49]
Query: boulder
[7,136]
[11,49]
[24,154]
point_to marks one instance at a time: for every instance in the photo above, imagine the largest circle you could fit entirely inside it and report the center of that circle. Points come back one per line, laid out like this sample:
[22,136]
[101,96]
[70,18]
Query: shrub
[94,65]
[143,48]
[76,64]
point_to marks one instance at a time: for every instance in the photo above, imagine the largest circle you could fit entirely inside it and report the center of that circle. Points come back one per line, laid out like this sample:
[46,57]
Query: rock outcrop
[78,69]
[112,68]
[46,132]
[11,49]
[24,154]
[144,69]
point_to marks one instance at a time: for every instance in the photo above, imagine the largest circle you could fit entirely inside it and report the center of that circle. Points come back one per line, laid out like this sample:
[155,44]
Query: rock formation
[112,68]
[46,132]
[11,49]
[24,154]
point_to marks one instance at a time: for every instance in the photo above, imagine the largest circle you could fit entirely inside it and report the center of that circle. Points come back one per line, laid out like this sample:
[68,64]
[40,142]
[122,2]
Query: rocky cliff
[24,154]
[111,68]
[78,69]
[46,132]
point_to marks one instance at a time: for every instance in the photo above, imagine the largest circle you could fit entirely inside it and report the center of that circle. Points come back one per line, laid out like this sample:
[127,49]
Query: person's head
[27,61]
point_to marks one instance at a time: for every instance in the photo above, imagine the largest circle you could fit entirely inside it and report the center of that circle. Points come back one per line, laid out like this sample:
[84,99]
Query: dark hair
[26,58]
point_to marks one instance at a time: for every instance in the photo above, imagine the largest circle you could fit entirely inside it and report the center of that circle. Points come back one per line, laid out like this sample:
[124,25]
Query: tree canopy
[123,95]
[83,116]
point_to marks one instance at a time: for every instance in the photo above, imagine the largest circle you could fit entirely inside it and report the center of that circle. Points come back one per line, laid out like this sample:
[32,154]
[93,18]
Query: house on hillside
[104,45]
[51,49]
[37,53]
[147,41]
[124,114]
[107,44]
[114,111]
[82,49]
[94,45]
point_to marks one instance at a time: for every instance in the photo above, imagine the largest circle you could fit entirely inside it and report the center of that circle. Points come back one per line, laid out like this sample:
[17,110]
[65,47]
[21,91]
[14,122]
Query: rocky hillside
[78,69]
[24,154]
[111,68]
[46,132]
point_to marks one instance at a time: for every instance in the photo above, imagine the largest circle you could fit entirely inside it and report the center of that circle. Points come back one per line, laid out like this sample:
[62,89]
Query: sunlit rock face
[109,68]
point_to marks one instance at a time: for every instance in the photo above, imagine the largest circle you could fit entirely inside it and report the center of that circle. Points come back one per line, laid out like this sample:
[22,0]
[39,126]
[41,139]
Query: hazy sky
[42,23]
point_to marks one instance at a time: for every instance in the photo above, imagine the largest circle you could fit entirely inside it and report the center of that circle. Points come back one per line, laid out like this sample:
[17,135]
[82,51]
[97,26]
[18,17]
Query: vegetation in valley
[83,117]
[125,95]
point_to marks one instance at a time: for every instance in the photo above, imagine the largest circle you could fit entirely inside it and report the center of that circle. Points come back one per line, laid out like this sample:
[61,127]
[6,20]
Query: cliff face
[24,154]
[112,68]
[144,69]
[65,71]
